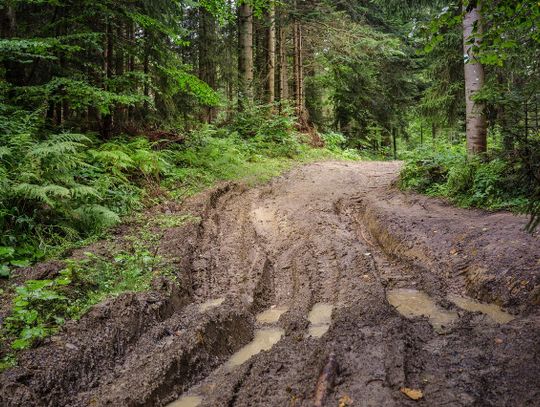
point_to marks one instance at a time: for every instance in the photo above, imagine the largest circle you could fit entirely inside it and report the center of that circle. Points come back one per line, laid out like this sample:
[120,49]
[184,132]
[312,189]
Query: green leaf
[20,263]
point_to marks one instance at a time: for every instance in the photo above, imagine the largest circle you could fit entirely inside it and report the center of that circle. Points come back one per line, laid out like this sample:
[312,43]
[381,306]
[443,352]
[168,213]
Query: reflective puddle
[271,315]
[205,306]
[320,317]
[413,303]
[491,310]
[186,401]
[264,340]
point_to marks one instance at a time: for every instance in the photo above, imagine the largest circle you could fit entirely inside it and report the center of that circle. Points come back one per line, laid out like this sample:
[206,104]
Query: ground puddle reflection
[264,340]
[320,317]
[413,303]
[271,315]
[186,401]
[205,306]
[491,310]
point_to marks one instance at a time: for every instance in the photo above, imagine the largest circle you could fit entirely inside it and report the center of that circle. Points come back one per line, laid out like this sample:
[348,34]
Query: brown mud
[341,291]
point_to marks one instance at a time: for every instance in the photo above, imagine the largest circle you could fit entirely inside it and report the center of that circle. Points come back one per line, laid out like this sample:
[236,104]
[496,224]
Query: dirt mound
[318,251]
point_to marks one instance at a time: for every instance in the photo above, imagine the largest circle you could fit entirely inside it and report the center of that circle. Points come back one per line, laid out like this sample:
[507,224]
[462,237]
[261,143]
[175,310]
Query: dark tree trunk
[207,55]
[245,59]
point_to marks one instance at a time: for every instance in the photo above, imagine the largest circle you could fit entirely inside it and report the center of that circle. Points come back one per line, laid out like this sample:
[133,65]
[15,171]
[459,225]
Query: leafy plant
[39,308]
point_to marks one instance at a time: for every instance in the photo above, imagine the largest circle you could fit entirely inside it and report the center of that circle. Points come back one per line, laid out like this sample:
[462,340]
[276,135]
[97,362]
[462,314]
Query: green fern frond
[84,191]
[43,193]
[95,217]
[4,151]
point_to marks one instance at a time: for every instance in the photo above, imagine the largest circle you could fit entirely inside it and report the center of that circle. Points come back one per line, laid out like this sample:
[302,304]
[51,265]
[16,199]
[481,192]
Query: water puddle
[413,303]
[491,310]
[205,306]
[320,317]
[186,401]
[264,340]
[271,316]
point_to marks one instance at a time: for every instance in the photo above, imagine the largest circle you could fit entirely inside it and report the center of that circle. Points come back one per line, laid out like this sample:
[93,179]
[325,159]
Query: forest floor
[325,287]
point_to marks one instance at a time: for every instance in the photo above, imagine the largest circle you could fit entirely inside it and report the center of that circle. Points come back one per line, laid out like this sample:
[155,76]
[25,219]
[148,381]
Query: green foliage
[65,186]
[40,307]
[445,171]
[268,132]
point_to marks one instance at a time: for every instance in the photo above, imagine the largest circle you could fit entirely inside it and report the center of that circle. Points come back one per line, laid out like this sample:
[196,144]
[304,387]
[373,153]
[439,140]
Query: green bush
[269,133]
[40,307]
[491,183]
[64,187]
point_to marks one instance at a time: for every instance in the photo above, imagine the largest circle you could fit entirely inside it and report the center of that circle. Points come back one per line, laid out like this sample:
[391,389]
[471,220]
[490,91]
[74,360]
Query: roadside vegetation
[495,181]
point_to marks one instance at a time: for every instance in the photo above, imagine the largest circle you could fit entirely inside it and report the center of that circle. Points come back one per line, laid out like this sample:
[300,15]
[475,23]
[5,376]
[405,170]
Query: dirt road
[326,287]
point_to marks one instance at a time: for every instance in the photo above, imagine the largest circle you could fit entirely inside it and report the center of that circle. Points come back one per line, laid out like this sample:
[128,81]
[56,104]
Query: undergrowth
[491,182]
[63,191]
[40,307]
[57,190]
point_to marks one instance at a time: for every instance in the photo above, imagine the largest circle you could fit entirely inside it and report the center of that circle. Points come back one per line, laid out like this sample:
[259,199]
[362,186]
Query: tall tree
[245,60]
[474,80]
[207,57]
[298,54]
[271,80]
[283,68]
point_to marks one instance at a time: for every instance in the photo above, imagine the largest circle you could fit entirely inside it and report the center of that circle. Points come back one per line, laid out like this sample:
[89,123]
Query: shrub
[491,183]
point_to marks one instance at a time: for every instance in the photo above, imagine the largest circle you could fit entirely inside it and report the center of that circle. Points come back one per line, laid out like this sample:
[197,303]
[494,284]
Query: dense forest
[108,106]
[354,182]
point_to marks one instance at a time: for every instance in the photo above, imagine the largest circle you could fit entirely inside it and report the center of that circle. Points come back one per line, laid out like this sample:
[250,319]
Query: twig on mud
[325,384]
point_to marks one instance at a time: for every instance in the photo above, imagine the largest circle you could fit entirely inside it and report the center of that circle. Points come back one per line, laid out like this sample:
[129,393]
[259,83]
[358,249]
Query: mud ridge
[321,248]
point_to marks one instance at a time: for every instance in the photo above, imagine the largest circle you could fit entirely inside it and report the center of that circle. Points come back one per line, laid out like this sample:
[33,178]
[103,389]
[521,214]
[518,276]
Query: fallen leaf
[413,394]
[345,401]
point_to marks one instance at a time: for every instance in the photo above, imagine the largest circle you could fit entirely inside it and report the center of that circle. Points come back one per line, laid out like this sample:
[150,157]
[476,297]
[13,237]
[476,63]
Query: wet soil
[324,287]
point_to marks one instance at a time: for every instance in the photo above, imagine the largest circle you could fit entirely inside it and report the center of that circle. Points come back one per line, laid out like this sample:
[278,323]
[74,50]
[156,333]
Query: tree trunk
[107,119]
[283,74]
[474,81]
[271,81]
[245,60]
[207,52]
[299,91]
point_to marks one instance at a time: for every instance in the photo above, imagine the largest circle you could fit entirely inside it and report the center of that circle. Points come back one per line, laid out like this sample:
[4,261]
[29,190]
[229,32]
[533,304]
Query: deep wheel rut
[325,287]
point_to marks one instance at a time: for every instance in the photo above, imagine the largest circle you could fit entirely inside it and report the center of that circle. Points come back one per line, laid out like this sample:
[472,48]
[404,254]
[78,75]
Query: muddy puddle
[205,306]
[272,315]
[413,303]
[187,401]
[264,340]
[320,318]
[493,311]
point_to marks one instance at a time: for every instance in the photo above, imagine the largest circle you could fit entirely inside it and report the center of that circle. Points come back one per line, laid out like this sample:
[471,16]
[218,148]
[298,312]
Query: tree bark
[271,81]
[245,60]
[108,50]
[474,81]
[283,74]
[299,91]
[207,52]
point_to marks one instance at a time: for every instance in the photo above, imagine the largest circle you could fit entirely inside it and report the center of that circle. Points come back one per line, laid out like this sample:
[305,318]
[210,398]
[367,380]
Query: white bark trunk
[474,81]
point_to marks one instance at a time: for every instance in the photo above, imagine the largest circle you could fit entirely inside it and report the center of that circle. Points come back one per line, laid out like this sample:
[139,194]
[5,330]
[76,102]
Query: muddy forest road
[325,287]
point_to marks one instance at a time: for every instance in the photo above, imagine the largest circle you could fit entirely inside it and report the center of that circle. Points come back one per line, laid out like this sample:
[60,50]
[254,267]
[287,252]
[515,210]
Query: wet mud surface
[324,287]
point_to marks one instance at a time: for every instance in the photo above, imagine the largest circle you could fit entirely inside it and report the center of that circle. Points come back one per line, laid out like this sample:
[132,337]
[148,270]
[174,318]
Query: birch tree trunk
[474,81]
